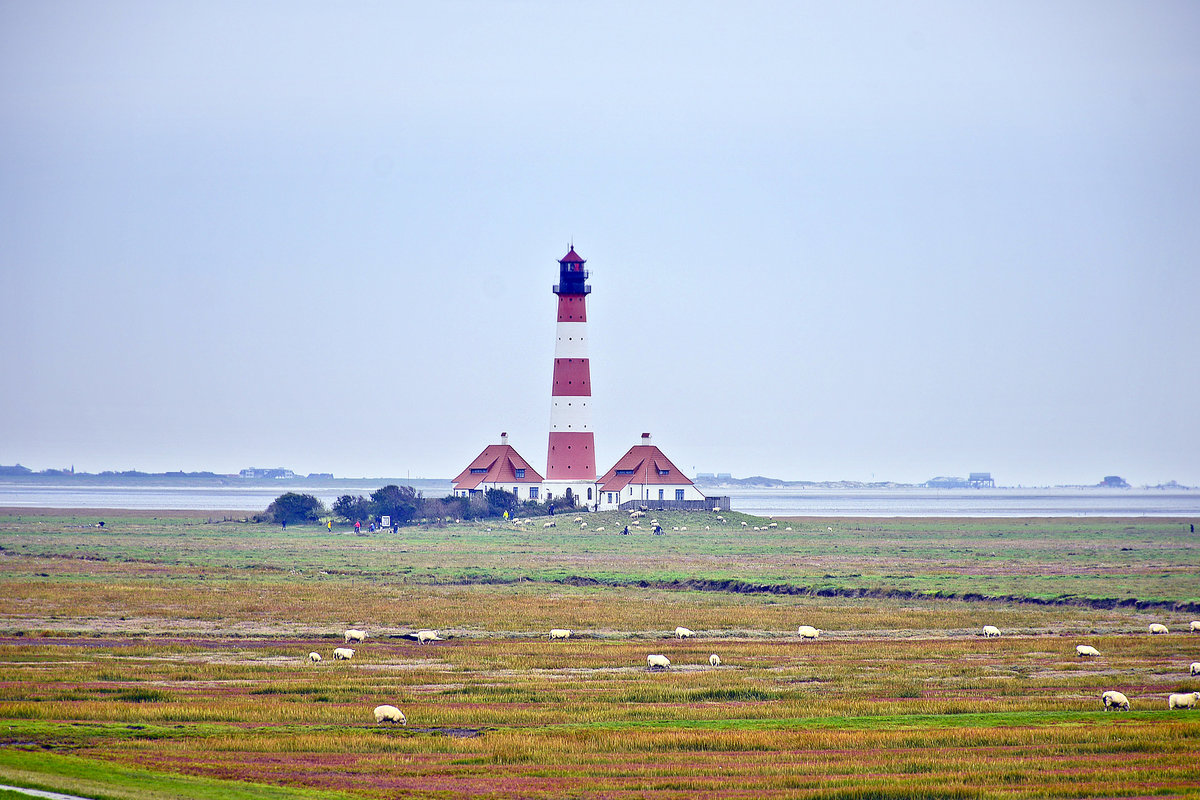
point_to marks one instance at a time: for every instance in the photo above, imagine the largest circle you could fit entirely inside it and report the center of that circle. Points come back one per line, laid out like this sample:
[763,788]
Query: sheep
[560,633]
[716,509]
[636,514]
[714,660]
[990,630]
[1194,669]
[654,521]
[743,523]
[353,635]
[1113,700]
[684,633]
[579,519]
[1086,650]
[675,528]
[830,529]
[773,525]
[314,657]
[428,636]
[657,662]
[582,525]
[1195,627]
[720,519]
[549,525]
[1187,700]
[389,714]
[600,529]
[1157,627]
[683,527]
[343,653]
[808,632]
[788,528]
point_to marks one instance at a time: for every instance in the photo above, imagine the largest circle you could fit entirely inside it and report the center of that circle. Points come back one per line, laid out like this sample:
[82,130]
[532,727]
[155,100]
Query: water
[770,502]
[967,502]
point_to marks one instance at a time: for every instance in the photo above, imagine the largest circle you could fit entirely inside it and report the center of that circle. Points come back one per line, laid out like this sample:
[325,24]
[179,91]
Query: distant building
[981,480]
[1114,482]
[278,473]
[499,466]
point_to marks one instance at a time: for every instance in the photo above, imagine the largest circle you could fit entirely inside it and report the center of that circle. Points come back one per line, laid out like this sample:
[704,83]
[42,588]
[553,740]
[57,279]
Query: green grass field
[166,657]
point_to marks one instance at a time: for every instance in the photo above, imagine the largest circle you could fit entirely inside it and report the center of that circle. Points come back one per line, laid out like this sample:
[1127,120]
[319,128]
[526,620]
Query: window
[679,494]
[624,472]
[664,472]
[515,492]
[610,497]
[660,494]
[589,493]
[520,473]
[533,492]
[479,471]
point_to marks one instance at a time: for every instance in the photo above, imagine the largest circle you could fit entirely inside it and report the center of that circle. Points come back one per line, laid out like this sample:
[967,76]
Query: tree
[292,507]
[398,502]
[499,501]
[352,509]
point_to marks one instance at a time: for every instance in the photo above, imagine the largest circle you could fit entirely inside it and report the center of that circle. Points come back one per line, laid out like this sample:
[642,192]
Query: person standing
[357,526]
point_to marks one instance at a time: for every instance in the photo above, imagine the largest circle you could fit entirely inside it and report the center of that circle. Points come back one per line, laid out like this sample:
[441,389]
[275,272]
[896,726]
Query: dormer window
[479,471]
[520,473]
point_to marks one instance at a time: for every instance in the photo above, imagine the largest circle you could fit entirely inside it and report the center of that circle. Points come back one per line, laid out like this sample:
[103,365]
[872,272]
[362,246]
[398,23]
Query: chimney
[504,437]
[645,438]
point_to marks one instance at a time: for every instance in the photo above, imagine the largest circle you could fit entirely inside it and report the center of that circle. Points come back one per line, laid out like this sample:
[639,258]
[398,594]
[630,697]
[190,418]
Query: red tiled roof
[571,257]
[500,463]
[646,462]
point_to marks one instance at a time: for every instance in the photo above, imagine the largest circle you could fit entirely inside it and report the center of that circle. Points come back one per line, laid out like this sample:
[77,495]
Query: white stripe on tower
[572,452]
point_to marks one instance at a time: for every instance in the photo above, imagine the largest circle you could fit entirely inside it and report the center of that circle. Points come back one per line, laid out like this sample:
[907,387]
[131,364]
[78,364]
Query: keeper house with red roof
[499,466]
[646,476]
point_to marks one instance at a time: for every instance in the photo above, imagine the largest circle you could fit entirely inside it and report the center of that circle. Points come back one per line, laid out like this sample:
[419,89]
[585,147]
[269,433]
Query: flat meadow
[166,656]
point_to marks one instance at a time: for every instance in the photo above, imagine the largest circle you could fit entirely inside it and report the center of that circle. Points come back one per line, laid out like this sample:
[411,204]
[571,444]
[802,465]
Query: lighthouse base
[581,494]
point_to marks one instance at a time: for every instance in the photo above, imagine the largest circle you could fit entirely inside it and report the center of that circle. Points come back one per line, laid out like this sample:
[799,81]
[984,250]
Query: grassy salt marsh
[165,657]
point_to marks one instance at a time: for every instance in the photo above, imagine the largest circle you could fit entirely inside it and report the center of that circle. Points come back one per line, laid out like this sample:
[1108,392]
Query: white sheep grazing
[1158,627]
[720,519]
[314,657]
[1113,700]
[343,653]
[683,527]
[389,714]
[773,525]
[1187,700]
[658,662]
[560,633]
[1195,628]
[582,525]
[675,528]
[714,660]
[991,630]
[1195,668]
[579,519]
[788,528]
[1086,650]
[808,632]
[353,635]
[684,633]
[427,636]
[743,523]
[716,509]
[600,529]
[654,521]
[830,529]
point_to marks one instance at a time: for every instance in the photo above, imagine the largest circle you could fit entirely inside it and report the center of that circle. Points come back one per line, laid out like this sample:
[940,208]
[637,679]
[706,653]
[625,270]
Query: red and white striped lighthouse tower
[571,459]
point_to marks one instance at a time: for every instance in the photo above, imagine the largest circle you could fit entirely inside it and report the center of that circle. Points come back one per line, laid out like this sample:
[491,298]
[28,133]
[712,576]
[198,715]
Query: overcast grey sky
[827,240]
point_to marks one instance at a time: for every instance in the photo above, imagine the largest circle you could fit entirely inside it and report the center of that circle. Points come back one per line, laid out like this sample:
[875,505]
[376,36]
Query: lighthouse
[571,457]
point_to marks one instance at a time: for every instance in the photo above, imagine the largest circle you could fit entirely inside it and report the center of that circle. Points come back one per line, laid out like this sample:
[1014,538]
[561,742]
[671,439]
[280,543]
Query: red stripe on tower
[572,451]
